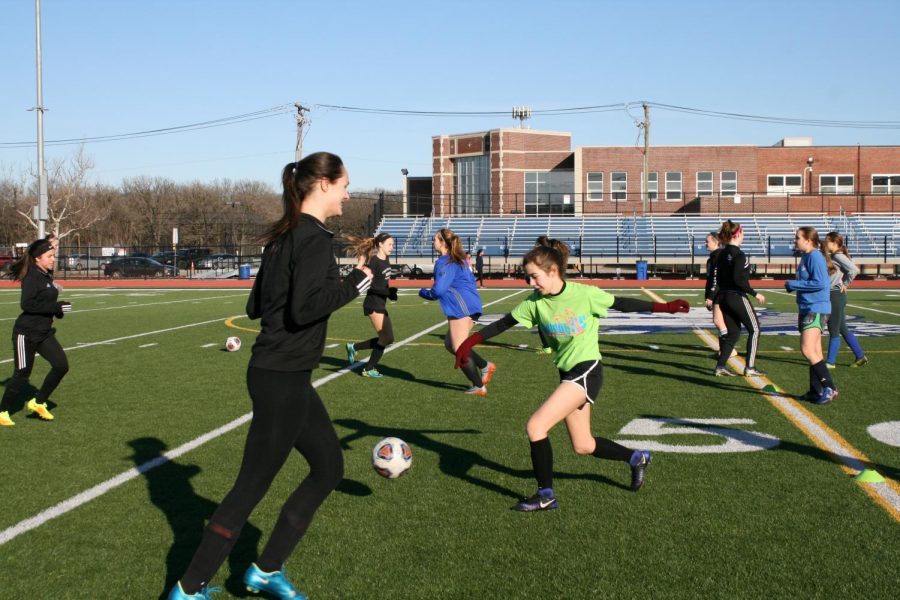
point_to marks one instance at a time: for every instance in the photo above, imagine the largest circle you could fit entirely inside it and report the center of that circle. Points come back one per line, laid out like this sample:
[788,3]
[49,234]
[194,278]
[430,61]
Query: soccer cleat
[859,362]
[476,391]
[5,420]
[487,372]
[751,371]
[178,593]
[809,396]
[351,353]
[830,366]
[637,471]
[372,373]
[827,396]
[274,583]
[723,372]
[542,500]
[41,409]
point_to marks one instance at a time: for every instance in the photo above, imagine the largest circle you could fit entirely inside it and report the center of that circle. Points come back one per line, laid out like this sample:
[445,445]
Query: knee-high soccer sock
[377,352]
[834,344]
[854,345]
[814,385]
[822,374]
[214,547]
[472,372]
[479,361]
[542,462]
[610,450]
[366,344]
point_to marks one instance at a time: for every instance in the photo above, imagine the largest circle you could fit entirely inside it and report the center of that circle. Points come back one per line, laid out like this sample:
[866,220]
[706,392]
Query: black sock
[215,546]
[610,450]
[542,462]
[472,372]
[377,351]
[822,374]
[365,345]
[479,361]
[814,385]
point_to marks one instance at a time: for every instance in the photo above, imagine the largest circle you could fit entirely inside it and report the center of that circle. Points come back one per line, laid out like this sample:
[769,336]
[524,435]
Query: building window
[549,192]
[728,183]
[886,184]
[595,186]
[618,186]
[836,184]
[782,185]
[673,185]
[652,185]
[704,183]
[472,185]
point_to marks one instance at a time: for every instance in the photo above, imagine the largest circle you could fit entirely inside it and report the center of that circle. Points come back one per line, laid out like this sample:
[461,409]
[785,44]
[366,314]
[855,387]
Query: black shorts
[473,316]
[587,375]
[374,304]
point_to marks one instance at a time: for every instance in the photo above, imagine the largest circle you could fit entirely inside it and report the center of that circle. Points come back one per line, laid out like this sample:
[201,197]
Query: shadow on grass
[27,392]
[456,461]
[390,372]
[170,490]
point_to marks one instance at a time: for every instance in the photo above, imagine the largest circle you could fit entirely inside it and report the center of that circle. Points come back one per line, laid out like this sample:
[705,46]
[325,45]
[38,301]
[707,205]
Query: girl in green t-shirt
[567,315]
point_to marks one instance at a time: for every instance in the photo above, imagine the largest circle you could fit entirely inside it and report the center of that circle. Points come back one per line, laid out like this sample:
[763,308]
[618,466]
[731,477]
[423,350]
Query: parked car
[80,262]
[6,261]
[218,261]
[137,267]
[166,257]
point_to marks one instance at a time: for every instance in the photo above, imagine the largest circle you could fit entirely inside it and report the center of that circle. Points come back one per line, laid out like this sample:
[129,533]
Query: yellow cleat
[5,421]
[41,409]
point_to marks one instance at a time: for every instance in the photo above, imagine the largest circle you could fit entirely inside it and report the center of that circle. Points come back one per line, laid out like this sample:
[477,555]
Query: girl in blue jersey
[454,287]
[813,299]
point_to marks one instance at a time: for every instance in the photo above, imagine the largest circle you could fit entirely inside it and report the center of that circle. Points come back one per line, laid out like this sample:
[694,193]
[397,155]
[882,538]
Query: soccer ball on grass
[233,344]
[391,457]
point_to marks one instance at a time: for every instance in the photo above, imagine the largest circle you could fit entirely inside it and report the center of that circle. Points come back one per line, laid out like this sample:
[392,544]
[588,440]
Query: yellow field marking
[229,322]
[851,461]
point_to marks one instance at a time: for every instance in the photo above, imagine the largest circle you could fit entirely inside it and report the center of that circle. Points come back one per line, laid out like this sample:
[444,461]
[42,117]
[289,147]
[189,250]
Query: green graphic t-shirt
[569,321]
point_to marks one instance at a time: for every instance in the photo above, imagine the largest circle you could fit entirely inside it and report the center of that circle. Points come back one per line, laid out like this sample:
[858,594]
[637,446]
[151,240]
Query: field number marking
[736,440]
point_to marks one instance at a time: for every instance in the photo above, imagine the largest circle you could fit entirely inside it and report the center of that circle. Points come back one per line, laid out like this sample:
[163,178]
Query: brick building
[524,171]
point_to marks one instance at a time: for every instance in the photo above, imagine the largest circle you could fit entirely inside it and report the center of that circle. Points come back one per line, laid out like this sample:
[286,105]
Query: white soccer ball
[391,457]
[233,344]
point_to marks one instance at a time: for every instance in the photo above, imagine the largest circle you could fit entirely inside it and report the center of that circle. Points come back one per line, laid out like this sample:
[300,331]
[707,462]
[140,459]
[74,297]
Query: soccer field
[750,493]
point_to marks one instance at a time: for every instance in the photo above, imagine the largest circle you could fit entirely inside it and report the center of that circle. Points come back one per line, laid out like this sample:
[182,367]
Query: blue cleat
[543,500]
[828,394]
[638,464]
[373,373]
[351,353]
[274,583]
[178,593]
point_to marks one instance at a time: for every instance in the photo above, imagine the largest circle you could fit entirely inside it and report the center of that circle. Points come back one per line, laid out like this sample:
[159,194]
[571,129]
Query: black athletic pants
[24,349]
[737,311]
[287,415]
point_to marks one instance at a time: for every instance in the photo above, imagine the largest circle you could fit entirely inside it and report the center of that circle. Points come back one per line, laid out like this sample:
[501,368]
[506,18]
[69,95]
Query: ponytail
[728,231]
[547,252]
[455,251]
[365,246]
[20,268]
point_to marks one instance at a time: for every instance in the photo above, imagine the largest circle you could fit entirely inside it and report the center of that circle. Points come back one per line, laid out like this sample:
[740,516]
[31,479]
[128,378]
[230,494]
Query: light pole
[41,212]
[405,191]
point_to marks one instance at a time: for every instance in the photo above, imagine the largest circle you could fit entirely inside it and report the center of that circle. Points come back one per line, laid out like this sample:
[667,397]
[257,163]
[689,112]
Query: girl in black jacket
[33,331]
[295,292]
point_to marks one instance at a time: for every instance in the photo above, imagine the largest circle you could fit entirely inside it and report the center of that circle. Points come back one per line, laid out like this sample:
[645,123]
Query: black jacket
[39,304]
[733,271]
[712,284]
[296,290]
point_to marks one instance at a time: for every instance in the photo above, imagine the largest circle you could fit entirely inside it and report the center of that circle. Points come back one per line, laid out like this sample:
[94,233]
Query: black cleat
[637,471]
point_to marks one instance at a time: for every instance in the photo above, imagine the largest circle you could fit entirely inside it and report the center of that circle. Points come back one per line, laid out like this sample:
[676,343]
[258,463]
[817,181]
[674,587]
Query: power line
[847,124]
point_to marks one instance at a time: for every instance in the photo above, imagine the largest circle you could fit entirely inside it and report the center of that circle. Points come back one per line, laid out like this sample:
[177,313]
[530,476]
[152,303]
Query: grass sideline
[760,523]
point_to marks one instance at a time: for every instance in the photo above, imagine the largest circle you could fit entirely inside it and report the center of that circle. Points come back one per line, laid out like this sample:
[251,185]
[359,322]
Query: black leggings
[737,311]
[287,414]
[24,349]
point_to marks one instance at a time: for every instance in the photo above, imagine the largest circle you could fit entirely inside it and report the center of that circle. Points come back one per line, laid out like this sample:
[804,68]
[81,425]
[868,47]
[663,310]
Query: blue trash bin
[244,272]
[641,267]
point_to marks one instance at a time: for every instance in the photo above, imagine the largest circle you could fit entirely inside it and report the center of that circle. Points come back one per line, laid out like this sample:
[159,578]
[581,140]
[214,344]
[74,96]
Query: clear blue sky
[121,66]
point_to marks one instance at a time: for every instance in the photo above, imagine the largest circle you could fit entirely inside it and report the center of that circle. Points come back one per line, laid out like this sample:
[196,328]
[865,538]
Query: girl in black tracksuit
[733,278]
[295,292]
[33,331]
[375,253]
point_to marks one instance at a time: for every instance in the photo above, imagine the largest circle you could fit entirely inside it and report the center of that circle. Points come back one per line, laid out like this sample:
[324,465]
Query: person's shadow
[171,491]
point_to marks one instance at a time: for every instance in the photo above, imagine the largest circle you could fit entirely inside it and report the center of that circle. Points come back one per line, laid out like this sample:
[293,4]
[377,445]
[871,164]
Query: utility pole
[646,173]
[301,122]
[41,211]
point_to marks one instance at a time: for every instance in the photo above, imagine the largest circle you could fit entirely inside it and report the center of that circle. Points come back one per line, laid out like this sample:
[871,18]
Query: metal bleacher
[671,236]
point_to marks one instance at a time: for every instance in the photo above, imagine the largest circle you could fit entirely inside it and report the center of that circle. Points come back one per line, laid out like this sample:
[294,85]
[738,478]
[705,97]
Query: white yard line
[133,305]
[57,510]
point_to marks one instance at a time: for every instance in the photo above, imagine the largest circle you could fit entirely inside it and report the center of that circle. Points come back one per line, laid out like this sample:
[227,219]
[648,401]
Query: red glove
[675,306]
[462,353]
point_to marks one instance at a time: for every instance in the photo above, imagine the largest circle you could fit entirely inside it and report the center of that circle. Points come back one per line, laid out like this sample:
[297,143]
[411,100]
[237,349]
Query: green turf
[773,523]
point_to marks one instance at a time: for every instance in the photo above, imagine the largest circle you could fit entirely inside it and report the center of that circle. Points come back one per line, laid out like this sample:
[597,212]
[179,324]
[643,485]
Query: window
[673,185]
[652,185]
[704,183]
[549,192]
[618,185]
[595,186]
[781,185]
[728,183]
[886,184]
[836,184]
[472,185]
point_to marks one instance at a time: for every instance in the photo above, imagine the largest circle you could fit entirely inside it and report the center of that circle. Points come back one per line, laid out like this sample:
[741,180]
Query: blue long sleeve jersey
[454,287]
[812,284]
